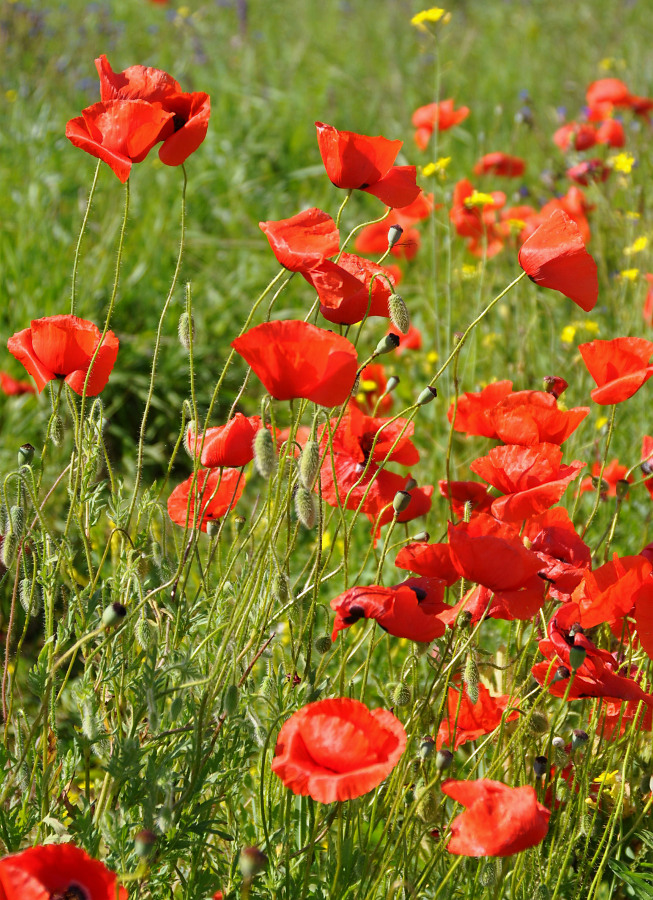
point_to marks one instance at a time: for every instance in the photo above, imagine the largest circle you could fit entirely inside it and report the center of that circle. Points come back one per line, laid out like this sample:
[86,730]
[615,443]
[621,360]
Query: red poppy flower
[407,610]
[436,116]
[574,135]
[533,417]
[296,359]
[588,171]
[11,387]
[618,716]
[429,560]
[473,412]
[218,491]
[619,367]
[304,240]
[371,390]
[337,749]
[499,820]
[500,164]
[361,437]
[531,478]
[119,132]
[574,204]
[564,556]
[481,602]
[612,474]
[555,257]
[610,592]
[647,462]
[63,347]
[479,224]
[611,132]
[358,162]
[466,721]
[608,90]
[344,289]
[189,112]
[647,310]
[226,445]
[461,493]
[57,870]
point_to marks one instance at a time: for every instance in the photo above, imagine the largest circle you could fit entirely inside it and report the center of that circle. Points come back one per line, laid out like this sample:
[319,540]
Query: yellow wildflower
[432,15]
[623,162]
[633,216]
[478,198]
[490,340]
[436,168]
[432,357]
[601,423]
[568,334]
[637,246]
[629,274]
[591,326]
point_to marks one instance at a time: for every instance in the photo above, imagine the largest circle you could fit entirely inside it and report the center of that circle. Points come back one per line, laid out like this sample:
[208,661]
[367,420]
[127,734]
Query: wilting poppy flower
[226,445]
[500,164]
[611,132]
[555,257]
[337,749]
[218,491]
[588,171]
[358,162]
[296,359]
[344,289]
[63,347]
[619,367]
[189,113]
[407,610]
[57,871]
[436,116]
[119,132]
[533,417]
[304,240]
[577,136]
[11,387]
[613,473]
[466,721]
[498,821]
[531,478]
[565,557]
[473,412]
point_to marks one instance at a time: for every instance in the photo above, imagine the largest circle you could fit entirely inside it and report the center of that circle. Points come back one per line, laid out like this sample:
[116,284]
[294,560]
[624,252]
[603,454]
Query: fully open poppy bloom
[296,359]
[217,490]
[344,288]
[358,162]
[499,820]
[363,437]
[302,241]
[555,257]
[598,676]
[500,164]
[579,136]
[189,113]
[613,473]
[430,560]
[533,417]
[531,478]
[466,721]
[610,592]
[619,367]
[11,387]
[119,132]
[63,347]
[436,117]
[473,412]
[611,132]
[337,749]
[408,610]
[57,871]
[610,91]
[226,445]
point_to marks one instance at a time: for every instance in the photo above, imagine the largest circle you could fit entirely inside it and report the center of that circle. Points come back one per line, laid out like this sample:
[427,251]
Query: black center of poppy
[355,613]
[363,186]
[419,592]
[178,122]
[72,892]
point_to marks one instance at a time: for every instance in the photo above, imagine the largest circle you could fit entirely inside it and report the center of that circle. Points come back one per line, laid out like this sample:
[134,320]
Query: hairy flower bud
[398,313]
[309,464]
[265,458]
[470,676]
[17,520]
[25,454]
[56,431]
[186,330]
[231,699]
[305,507]
[322,644]
[401,695]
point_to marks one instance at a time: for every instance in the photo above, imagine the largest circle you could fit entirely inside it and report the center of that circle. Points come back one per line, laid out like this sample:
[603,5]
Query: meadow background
[273,69]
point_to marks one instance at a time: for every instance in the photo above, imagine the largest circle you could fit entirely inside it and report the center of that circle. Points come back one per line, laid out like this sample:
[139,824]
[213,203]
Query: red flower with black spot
[565,557]
[57,871]
[296,359]
[63,347]
[216,490]
[499,820]
[358,162]
[619,367]
[337,749]
[554,256]
[579,136]
[302,241]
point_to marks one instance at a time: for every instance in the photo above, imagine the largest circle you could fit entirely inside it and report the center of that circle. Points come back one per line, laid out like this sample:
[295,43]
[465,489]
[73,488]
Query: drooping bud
[213,528]
[9,548]
[231,699]
[30,599]
[488,874]
[25,454]
[467,511]
[539,724]
[305,507]
[401,501]
[186,330]
[143,633]
[17,520]
[322,644]
[387,344]
[443,759]
[113,614]
[427,806]
[428,394]
[398,313]
[309,464]
[265,459]
[394,234]
[560,674]
[280,588]
[470,677]
[401,696]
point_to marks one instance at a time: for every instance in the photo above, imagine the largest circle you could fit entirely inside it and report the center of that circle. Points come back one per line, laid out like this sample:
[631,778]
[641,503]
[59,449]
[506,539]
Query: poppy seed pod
[540,765]
[443,759]
[113,614]
[422,536]
[577,657]
[427,747]
[428,394]
[252,861]
[387,344]
[401,501]
[265,458]
[394,234]
[25,454]
[398,313]
[579,738]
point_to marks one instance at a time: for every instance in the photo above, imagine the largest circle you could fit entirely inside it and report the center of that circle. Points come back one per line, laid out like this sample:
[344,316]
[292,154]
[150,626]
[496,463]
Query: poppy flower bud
[488,874]
[322,644]
[394,234]
[267,687]
[401,696]
[25,454]
[600,484]
[186,330]
[539,723]
[401,501]
[398,313]
[429,393]
[144,842]
[56,431]
[305,507]
[427,806]
[113,614]
[540,765]
[252,861]
[279,587]
[387,344]
[443,759]
[622,488]
[265,459]
[577,657]
[427,747]
[309,464]
[560,674]
[467,511]
[143,632]
[17,519]
[470,677]
[9,547]
[421,536]
[231,699]
[579,738]
[29,600]
[554,385]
